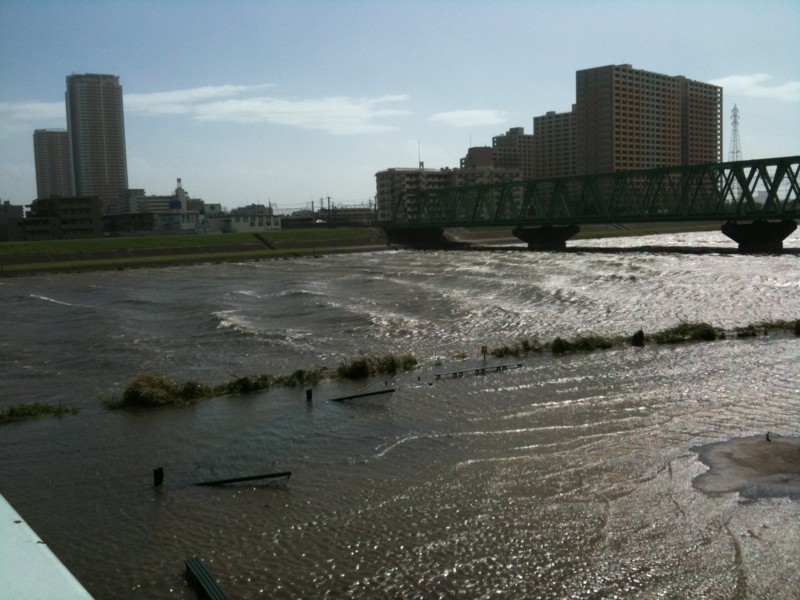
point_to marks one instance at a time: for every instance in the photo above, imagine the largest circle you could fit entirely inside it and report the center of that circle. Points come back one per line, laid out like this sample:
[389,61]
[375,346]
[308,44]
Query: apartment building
[554,145]
[96,127]
[514,150]
[396,187]
[53,167]
[623,119]
[628,119]
[63,218]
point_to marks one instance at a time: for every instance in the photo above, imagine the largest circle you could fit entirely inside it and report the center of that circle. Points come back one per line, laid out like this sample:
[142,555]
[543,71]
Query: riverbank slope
[114,253]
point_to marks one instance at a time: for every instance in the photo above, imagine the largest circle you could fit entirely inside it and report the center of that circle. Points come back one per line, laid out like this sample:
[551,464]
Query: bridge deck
[743,190]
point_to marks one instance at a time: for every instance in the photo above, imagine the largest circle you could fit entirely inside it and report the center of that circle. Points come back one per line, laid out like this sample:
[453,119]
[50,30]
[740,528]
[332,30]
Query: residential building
[628,119]
[64,218]
[53,168]
[253,219]
[514,151]
[478,157]
[701,122]
[11,222]
[623,119]
[96,126]
[396,187]
[176,212]
[554,145]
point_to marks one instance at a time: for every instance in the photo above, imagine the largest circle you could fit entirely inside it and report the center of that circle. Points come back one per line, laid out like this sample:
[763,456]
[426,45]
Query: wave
[53,300]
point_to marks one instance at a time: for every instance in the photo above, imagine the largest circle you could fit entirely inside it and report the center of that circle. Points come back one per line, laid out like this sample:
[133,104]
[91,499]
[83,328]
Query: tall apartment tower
[96,127]
[53,168]
[629,119]
[554,145]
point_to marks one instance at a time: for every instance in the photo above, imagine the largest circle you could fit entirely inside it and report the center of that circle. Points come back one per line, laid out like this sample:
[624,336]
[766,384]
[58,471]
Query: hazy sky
[291,101]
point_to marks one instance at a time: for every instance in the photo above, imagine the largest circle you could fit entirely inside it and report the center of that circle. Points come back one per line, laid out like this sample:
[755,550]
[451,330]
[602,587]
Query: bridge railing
[754,189]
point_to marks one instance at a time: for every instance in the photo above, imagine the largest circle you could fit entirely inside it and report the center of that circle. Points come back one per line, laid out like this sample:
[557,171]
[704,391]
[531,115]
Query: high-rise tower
[53,168]
[97,139]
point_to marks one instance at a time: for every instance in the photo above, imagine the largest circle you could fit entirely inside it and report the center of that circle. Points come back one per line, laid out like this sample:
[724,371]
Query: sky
[289,102]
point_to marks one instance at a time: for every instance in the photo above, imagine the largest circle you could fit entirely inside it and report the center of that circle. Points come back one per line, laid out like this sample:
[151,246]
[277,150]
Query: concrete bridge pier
[548,237]
[760,236]
[424,237]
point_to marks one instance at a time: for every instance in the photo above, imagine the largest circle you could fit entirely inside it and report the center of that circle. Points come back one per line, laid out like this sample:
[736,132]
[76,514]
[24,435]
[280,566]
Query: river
[563,477]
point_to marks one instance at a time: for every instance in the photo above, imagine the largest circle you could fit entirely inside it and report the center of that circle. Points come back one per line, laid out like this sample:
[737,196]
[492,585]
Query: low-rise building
[11,222]
[64,218]
[253,218]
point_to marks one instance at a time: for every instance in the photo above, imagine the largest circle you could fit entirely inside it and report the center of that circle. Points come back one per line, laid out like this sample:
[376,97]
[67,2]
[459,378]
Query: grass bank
[21,258]
[127,252]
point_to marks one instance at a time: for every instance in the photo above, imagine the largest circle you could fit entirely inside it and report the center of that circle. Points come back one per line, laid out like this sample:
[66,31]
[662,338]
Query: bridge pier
[760,236]
[548,237]
[423,237]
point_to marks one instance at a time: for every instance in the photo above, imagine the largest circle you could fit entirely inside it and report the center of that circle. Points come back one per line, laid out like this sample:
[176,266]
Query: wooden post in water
[309,394]
[158,476]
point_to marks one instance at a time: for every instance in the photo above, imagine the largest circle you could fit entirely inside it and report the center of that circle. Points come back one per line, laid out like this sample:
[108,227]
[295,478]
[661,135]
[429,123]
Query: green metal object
[765,189]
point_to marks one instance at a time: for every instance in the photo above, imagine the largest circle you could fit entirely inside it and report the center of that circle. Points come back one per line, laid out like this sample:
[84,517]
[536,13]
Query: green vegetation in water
[369,366]
[23,412]
[257,383]
[691,332]
[587,343]
[681,333]
[152,391]
[148,390]
[518,348]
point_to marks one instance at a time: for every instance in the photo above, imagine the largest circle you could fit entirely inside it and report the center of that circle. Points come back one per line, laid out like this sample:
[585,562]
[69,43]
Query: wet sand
[752,466]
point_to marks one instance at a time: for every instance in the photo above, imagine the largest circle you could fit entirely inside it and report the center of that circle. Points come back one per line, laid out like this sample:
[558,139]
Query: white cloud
[338,115]
[21,117]
[469,118]
[181,101]
[341,115]
[243,104]
[758,86]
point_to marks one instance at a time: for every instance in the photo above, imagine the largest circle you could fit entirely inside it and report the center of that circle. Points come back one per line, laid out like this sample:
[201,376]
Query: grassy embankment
[22,258]
[17,258]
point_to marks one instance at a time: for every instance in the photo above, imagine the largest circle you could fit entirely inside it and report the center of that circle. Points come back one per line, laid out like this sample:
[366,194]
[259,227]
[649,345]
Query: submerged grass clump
[694,332]
[368,366]
[518,348]
[23,412]
[257,383]
[587,343]
[153,391]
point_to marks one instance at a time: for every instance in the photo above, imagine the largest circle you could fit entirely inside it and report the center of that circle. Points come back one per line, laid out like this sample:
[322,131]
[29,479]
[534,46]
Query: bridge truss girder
[742,190]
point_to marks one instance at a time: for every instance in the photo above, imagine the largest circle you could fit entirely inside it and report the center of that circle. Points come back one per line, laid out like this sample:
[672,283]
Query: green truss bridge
[758,202]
